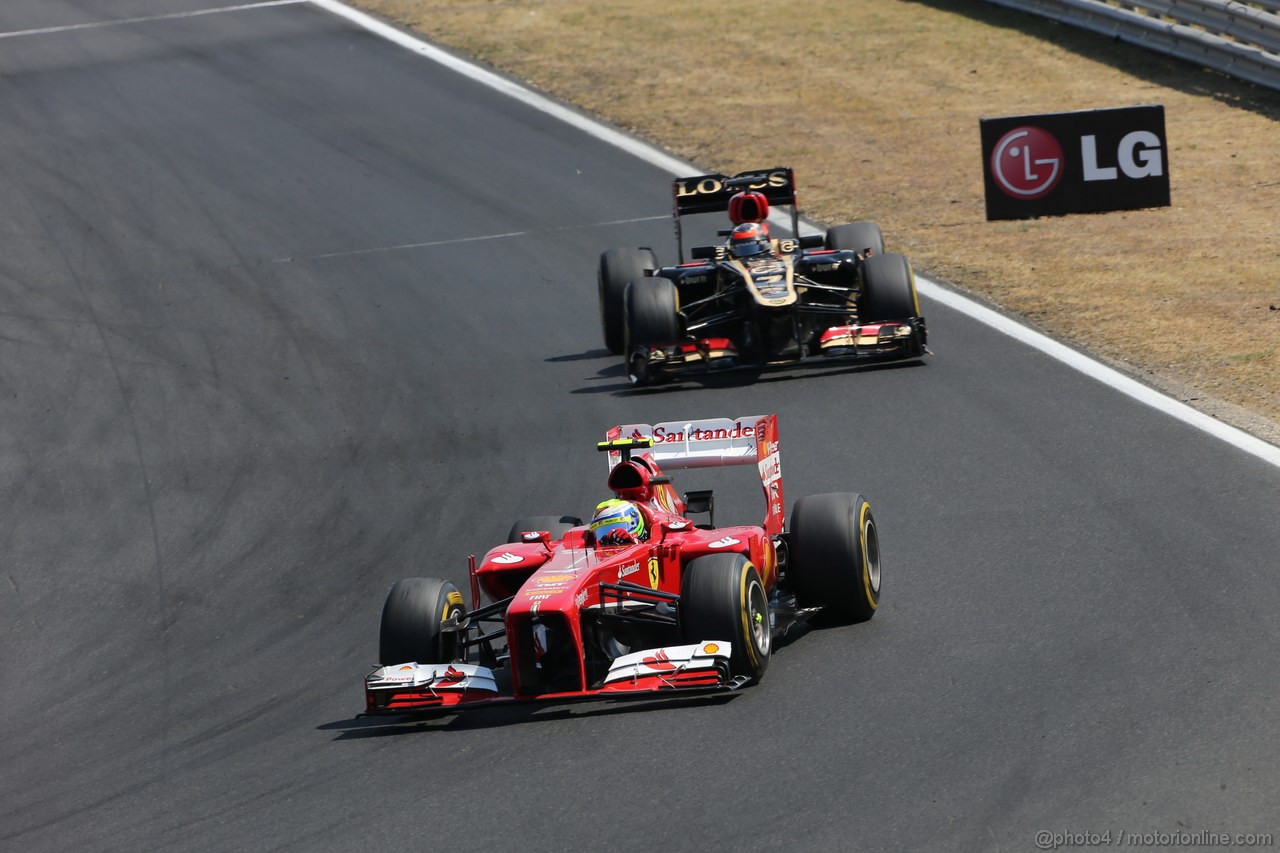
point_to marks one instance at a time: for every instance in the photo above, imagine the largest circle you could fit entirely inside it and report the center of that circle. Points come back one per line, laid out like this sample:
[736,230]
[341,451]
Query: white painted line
[400,246]
[930,289]
[99,24]
[349,252]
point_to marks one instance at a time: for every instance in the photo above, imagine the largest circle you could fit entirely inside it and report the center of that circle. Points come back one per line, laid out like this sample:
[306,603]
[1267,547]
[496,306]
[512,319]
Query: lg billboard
[1079,162]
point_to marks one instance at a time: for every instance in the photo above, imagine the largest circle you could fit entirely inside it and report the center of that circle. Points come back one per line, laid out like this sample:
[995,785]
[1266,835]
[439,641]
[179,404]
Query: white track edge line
[95,25]
[1072,358]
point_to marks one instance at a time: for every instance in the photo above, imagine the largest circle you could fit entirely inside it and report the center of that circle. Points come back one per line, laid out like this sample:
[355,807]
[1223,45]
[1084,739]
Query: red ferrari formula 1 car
[755,300]
[641,601]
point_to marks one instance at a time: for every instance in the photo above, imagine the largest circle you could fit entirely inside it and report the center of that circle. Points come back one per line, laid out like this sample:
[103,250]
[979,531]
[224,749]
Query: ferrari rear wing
[711,194]
[712,443]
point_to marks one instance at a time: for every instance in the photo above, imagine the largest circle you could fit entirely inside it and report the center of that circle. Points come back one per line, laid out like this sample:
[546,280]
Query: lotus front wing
[867,342]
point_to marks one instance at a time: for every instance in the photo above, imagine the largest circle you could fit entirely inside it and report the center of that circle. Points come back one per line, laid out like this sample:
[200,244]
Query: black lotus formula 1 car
[755,300]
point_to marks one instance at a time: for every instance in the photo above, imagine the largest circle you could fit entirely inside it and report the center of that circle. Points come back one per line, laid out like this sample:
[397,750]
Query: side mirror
[812,241]
[703,253]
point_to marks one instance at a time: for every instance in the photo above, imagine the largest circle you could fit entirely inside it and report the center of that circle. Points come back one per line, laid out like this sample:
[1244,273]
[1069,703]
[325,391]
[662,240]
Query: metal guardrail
[1239,39]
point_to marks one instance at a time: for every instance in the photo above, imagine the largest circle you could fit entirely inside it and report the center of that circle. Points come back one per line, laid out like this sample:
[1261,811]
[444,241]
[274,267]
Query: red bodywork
[553,586]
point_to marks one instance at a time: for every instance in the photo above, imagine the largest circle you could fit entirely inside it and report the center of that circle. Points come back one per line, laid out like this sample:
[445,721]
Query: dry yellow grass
[876,104]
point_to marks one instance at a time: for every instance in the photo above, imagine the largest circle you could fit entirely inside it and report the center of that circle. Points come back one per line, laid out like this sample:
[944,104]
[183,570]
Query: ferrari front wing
[415,687]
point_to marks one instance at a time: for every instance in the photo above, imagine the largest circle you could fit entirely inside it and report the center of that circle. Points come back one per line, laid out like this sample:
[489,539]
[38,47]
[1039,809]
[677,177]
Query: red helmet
[748,206]
[749,239]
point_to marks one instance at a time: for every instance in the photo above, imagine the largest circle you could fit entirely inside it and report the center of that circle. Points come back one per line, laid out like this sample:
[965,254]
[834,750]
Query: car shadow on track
[499,716]
[361,727]
[589,355]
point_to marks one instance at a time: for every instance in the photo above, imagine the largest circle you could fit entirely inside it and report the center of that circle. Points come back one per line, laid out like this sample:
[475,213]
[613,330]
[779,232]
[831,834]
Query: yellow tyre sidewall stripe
[866,556]
[915,298]
[744,597]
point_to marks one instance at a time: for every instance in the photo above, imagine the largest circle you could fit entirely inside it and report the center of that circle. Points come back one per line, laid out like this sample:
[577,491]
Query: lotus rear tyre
[618,268]
[857,237]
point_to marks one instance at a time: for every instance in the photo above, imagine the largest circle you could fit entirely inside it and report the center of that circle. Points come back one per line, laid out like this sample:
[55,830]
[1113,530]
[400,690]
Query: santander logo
[1027,162]
[697,431]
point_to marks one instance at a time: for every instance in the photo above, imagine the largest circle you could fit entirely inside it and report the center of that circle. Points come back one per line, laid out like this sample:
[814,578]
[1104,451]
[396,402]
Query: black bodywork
[811,297]
[728,299]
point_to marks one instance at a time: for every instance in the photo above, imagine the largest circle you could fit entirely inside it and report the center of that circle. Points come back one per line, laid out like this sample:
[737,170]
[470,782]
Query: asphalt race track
[289,313]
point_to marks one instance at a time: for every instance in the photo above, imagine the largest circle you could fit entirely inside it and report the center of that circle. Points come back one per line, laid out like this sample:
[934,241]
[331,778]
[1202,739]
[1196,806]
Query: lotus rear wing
[711,194]
[712,443]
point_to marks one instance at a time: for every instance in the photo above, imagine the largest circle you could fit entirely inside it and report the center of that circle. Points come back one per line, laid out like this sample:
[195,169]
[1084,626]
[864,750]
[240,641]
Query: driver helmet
[618,521]
[748,240]
[749,206]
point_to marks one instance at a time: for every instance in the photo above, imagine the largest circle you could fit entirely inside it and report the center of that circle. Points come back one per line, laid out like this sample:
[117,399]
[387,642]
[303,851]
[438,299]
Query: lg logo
[1027,161]
[1139,156]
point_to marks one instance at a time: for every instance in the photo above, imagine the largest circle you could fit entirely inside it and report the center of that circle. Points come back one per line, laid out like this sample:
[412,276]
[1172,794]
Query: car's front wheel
[651,313]
[413,621]
[722,598]
[888,289]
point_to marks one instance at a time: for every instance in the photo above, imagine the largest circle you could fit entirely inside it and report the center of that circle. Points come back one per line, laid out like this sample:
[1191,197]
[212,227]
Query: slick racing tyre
[888,289]
[857,237]
[412,619]
[651,312]
[618,268]
[558,525]
[651,315]
[834,555]
[722,598]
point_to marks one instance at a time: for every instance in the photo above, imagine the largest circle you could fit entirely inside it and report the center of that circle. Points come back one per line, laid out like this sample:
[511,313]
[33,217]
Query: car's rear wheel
[413,617]
[618,268]
[857,237]
[557,525]
[651,313]
[722,598]
[834,555]
[888,289]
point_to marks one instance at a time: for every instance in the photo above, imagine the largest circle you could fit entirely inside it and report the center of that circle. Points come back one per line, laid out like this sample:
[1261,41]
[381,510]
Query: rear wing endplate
[713,443]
